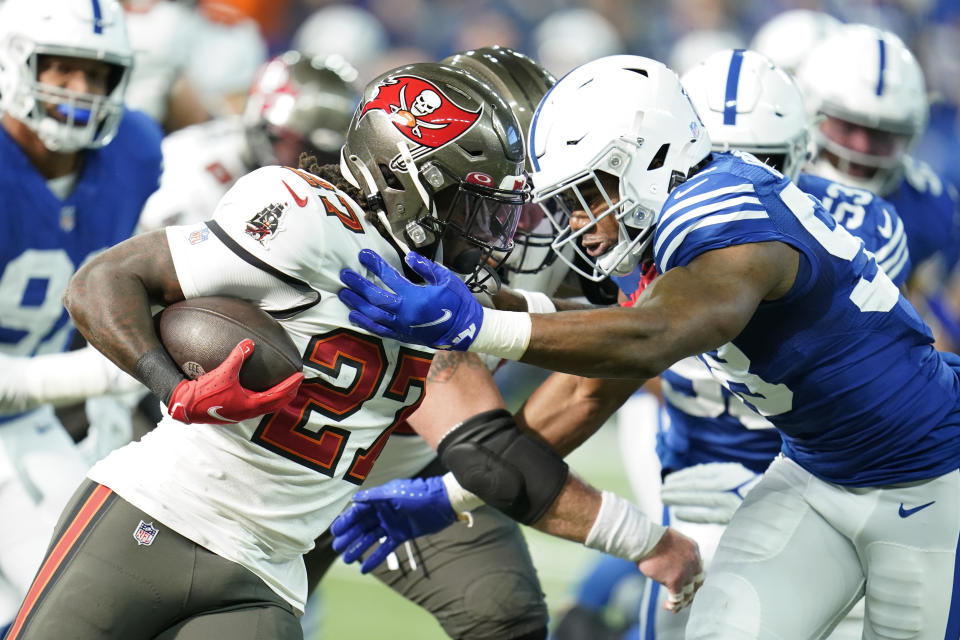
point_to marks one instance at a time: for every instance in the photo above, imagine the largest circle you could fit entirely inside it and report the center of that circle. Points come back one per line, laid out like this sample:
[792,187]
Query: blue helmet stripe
[97,17]
[733,79]
[883,64]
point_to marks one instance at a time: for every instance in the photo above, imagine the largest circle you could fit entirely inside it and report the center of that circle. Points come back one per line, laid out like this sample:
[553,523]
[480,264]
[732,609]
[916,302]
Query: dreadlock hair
[332,174]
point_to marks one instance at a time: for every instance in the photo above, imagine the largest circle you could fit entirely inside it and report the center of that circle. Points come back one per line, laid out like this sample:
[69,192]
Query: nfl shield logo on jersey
[145,533]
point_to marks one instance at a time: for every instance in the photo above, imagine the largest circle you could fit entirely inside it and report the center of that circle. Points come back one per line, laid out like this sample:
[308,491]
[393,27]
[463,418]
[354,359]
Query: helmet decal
[883,63]
[733,79]
[421,111]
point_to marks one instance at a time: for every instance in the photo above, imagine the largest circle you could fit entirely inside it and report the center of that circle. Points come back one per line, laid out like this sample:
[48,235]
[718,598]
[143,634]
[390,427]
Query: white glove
[708,493]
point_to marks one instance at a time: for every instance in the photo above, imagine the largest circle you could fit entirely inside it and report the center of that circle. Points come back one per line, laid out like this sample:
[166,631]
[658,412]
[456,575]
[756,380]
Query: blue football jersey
[867,216]
[47,239]
[928,207]
[842,365]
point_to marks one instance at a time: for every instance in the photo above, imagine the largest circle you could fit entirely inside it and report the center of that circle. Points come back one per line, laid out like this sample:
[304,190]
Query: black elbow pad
[510,470]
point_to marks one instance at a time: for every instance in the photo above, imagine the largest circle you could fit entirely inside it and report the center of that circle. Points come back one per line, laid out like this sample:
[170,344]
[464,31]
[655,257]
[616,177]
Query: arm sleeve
[59,379]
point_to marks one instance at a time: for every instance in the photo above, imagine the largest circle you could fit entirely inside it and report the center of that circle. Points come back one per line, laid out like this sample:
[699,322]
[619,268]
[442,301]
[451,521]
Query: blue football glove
[396,511]
[442,313]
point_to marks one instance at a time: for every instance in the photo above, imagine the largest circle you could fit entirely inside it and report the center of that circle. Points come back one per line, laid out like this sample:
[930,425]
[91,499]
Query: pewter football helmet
[30,30]
[747,103]
[299,104]
[522,83]
[440,154]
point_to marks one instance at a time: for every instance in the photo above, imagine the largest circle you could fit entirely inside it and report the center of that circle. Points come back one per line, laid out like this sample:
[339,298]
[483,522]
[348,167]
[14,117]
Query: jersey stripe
[60,551]
[893,256]
[734,216]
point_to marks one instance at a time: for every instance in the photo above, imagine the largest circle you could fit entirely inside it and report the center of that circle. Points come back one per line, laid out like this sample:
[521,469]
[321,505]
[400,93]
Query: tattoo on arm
[446,363]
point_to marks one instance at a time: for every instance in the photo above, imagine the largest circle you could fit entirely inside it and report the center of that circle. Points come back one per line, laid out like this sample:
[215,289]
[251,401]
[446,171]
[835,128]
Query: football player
[867,92]
[217,518]
[296,104]
[77,168]
[785,307]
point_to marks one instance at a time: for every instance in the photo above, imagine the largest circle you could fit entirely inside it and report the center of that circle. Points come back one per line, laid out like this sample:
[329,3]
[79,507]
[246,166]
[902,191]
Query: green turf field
[360,608]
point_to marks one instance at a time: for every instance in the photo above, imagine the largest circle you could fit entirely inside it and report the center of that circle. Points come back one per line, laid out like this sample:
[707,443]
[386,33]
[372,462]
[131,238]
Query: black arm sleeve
[510,470]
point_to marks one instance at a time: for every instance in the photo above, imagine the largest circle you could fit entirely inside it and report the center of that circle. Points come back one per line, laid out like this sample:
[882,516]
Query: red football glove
[217,397]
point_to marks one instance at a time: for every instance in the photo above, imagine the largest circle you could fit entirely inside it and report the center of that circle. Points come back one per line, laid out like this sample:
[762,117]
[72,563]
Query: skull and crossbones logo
[425,103]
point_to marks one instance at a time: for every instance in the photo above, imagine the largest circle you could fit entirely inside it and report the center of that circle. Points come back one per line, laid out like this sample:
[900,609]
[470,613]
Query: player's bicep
[709,301]
[145,257]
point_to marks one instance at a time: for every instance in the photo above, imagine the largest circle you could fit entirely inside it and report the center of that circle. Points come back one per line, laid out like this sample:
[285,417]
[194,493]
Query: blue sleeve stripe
[684,219]
[734,216]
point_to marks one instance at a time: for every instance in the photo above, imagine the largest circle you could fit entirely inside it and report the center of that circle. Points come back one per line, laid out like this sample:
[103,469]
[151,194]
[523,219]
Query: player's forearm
[566,410]
[573,513]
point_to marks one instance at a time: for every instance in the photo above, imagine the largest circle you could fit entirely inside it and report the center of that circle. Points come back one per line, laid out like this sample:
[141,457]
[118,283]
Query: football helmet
[867,91]
[299,104]
[64,120]
[788,37]
[747,103]
[439,156]
[522,83]
[620,120]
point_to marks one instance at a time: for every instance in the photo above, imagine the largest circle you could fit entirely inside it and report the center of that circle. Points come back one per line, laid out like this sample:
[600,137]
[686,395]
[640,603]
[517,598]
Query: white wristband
[622,530]
[461,500]
[537,302]
[503,333]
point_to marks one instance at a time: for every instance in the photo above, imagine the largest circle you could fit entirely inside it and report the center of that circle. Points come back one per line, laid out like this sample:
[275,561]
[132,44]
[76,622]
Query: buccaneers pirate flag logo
[420,111]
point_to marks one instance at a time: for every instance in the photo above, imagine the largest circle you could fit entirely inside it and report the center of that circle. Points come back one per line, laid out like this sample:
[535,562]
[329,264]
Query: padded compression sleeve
[510,470]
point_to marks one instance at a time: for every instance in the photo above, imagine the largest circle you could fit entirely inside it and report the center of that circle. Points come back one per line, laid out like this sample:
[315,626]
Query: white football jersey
[260,491]
[200,163]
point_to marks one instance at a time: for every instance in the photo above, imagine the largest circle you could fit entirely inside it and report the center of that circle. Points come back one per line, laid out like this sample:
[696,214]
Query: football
[200,333]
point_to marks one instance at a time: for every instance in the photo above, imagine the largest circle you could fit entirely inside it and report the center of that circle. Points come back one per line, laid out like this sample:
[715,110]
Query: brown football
[200,333]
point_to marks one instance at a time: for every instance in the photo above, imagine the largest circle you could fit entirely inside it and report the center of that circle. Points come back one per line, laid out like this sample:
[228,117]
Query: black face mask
[475,227]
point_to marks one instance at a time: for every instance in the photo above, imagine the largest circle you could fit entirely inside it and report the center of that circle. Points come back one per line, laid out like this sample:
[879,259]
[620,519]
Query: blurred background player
[296,104]
[788,37]
[77,169]
[163,34]
[867,93]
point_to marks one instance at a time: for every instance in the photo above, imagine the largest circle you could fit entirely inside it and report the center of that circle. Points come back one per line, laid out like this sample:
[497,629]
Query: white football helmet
[91,30]
[622,116]
[788,37]
[868,91]
[747,103]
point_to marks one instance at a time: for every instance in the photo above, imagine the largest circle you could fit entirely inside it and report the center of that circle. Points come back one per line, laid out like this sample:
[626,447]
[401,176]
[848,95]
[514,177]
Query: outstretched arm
[686,311]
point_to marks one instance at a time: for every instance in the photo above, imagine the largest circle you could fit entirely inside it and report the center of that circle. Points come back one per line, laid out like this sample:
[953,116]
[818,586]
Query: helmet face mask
[443,154]
[622,116]
[34,36]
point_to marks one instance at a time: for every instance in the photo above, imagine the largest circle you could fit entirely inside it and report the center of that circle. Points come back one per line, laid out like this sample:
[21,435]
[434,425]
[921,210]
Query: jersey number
[358,363]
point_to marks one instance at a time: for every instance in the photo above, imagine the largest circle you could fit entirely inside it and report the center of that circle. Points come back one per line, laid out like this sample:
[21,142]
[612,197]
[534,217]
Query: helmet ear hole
[390,177]
[659,158]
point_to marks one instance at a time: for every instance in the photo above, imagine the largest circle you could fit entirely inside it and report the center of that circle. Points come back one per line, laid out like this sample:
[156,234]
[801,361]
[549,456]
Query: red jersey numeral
[334,353]
[347,216]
